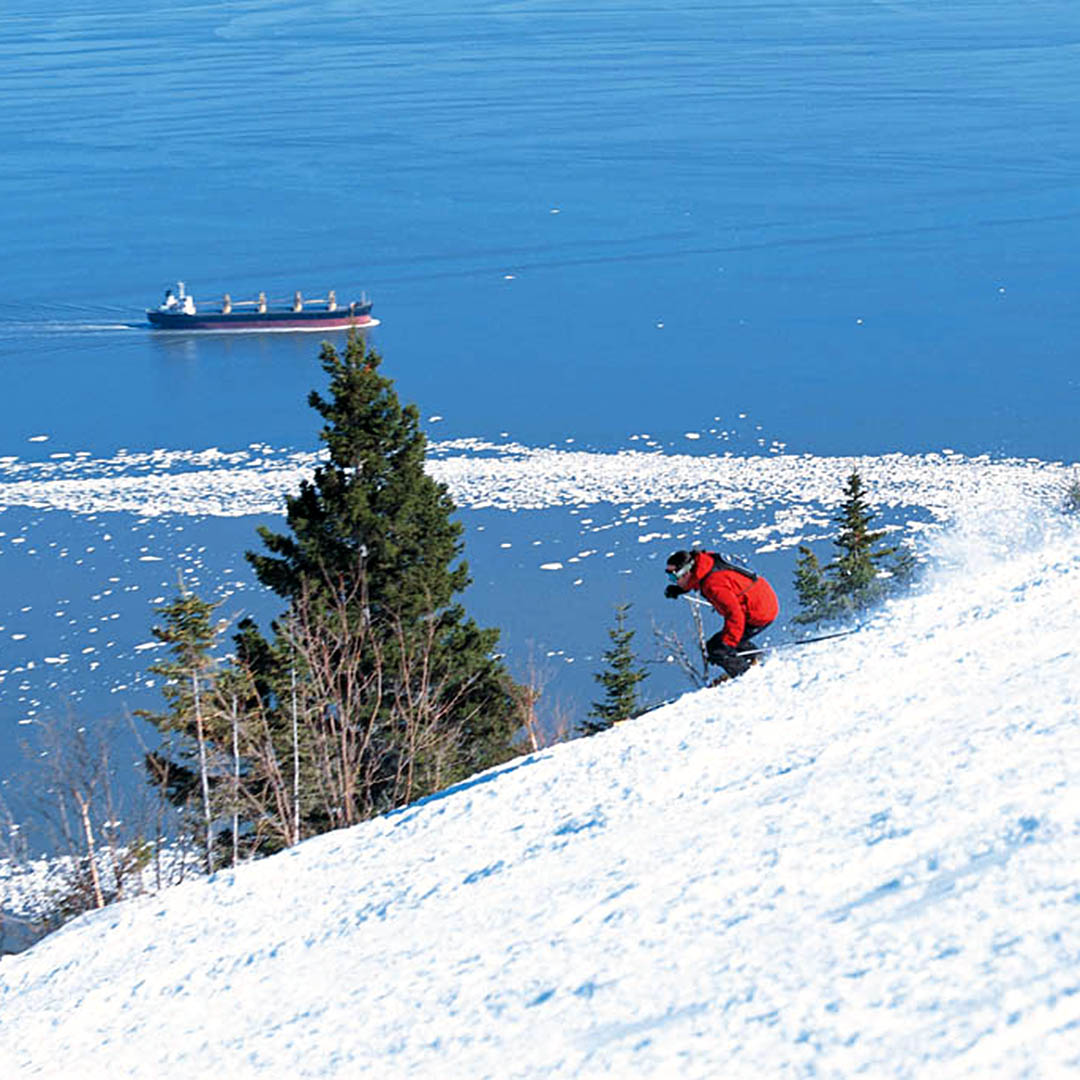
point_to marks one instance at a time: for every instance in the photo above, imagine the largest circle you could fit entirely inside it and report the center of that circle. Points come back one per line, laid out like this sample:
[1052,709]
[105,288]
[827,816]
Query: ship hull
[342,319]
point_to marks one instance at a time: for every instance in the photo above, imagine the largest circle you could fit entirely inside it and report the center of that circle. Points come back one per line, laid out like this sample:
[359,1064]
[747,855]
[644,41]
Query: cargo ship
[178,311]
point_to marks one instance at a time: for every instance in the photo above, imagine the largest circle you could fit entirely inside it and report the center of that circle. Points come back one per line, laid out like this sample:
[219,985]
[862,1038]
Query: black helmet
[679,562]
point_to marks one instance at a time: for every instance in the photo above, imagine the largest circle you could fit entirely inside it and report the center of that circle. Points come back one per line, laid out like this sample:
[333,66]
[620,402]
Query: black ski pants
[727,657]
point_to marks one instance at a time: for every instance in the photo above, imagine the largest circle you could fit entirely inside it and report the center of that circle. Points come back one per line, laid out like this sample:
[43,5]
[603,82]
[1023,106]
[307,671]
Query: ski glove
[673,592]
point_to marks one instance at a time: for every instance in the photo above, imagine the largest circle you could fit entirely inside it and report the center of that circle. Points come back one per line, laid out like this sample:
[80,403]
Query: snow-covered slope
[860,859]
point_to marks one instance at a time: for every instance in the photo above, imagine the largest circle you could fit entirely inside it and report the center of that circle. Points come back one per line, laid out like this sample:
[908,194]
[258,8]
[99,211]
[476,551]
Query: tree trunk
[204,778]
[296,762]
[88,833]
[236,784]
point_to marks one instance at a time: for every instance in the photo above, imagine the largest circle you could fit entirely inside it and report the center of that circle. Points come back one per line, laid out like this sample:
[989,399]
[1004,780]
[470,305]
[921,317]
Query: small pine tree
[183,767]
[620,680]
[811,587]
[856,571]
[859,575]
[1072,496]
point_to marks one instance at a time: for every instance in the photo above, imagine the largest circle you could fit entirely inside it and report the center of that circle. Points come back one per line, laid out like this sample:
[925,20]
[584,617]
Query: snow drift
[860,858]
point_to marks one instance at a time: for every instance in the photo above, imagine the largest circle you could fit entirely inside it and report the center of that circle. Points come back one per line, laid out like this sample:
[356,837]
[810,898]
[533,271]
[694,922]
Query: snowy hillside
[860,859]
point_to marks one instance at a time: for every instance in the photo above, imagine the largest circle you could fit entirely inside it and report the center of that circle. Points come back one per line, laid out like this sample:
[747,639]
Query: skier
[745,600]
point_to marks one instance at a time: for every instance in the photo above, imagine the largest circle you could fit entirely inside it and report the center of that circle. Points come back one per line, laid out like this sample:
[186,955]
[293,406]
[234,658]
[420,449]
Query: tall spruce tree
[859,574]
[373,557]
[620,680]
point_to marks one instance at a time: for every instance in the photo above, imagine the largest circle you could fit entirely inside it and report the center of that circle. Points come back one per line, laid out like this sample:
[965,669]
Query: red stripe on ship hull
[276,324]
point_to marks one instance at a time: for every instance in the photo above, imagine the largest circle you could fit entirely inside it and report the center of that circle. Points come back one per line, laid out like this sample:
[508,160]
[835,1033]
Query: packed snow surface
[859,859]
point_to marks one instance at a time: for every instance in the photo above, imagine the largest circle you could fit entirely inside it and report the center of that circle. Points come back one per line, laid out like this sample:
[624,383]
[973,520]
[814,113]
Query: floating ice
[509,476]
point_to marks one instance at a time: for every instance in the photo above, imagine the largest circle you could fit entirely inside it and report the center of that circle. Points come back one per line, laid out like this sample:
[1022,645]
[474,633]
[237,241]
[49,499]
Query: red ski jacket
[742,603]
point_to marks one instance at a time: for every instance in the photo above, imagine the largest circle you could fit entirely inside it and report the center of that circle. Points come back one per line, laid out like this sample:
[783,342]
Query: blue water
[852,221]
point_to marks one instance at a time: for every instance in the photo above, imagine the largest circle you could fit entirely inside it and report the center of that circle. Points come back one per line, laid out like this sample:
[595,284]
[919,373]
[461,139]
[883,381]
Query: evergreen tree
[373,644]
[371,500]
[620,680]
[811,587]
[860,573]
[184,766]
[1071,501]
[856,572]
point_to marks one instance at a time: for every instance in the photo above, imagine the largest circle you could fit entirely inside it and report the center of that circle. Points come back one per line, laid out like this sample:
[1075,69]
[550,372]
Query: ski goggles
[674,576]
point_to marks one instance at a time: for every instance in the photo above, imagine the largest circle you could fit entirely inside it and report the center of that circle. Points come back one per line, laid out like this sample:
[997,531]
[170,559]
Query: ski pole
[696,600]
[801,641]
